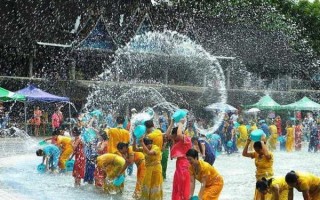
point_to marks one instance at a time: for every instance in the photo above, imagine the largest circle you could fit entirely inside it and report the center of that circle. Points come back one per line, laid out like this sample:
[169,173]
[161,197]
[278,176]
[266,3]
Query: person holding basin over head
[306,183]
[181,144]
[152,182]
[263,161]
[210,179]
[277,187]
[51,154]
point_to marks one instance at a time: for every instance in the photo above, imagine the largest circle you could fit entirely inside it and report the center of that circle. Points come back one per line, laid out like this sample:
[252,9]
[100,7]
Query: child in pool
[51,154]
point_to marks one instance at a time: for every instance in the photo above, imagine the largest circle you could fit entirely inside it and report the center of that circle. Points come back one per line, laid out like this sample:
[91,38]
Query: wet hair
[263,184]
[291,177]
[121,145]
[193,153]
[147,141]
[149,124]
[39,152]
[55,132]
[257,145]
[120,120]
[104,136]
[194,138]
[174,131]
[76,131]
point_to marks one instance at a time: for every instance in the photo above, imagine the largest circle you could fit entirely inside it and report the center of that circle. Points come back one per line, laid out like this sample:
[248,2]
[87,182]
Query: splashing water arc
[166,59]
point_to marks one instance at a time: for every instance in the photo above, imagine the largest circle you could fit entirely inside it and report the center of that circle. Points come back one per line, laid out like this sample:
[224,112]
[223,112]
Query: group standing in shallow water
[109,156]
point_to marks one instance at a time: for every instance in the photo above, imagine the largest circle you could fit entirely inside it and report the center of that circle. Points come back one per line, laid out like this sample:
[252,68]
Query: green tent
[6,95]
[266,103]
[303,104]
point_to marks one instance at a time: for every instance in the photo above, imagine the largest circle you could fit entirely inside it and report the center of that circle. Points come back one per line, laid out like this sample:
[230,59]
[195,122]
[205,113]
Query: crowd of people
[114,150]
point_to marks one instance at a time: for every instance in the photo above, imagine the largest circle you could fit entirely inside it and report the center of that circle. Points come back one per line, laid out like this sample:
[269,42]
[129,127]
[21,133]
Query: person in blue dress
[51,154]
[204,148]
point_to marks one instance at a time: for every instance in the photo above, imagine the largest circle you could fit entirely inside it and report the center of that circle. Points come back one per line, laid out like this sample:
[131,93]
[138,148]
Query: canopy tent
[266,103]
[303,104]
[6,95]
[221,107]
[33,93]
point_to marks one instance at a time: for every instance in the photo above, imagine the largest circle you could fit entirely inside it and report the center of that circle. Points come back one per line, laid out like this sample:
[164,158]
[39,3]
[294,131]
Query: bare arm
[168,132]
[276,192]
[203,185]
[290,195]
[192,185]
[179,131]
[245,152]
[145,149]
[265,151]
[306,195]
[203,147]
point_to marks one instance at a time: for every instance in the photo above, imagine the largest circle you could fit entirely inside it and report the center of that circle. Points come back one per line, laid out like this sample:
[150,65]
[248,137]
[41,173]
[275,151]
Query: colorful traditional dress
[272,141]
[115,136]
[297,137]
[65,143]
[181,179]
[243,136]
[112,165]
[279,183]
[152,183]
[214,181]
[99,174]
[139,160]
[309,182]
[80,161]
[264,168]
[290,139]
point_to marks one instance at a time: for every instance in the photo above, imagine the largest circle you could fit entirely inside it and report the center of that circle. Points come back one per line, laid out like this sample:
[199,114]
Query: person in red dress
[102,147]
[80,161]
[278,125]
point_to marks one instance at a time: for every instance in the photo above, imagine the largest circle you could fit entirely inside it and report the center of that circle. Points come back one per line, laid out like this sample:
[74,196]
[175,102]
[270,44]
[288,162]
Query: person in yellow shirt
[189,131]
[210,179]
[152,182]
[133,157]
[272,141]
[116,135]
[154,134]
[306,183]
[263,161]
[290,137]
[277,187]
[243,135]
[111,165]
[65,144]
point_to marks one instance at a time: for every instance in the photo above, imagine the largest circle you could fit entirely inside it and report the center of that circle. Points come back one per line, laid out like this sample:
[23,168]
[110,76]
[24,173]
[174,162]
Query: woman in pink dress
[298,135]
[181,144]
[80,161]
[102,148]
